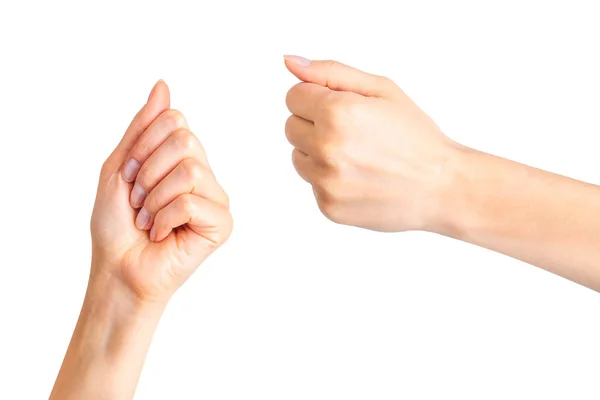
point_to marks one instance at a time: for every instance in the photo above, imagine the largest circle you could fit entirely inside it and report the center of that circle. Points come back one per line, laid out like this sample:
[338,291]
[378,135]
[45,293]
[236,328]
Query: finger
[158,101]
[158,131]
[179,145]
[205,220]
[338,76]
[190,176]
[305,100]
[304,165]
[300,133]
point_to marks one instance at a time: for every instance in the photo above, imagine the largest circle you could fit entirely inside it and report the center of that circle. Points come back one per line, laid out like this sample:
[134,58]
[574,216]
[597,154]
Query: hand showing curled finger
[159,209]
[373,158]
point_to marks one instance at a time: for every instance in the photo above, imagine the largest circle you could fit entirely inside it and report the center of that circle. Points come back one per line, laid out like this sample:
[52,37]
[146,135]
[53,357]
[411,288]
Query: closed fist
[159,210]
[373,158]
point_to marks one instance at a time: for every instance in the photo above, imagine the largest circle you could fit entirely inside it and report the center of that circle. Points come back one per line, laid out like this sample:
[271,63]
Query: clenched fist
[373,158]
[159,210]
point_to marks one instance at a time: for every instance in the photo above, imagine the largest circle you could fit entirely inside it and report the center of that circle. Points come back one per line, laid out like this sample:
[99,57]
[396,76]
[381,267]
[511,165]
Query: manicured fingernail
[138,195]
[153,233]
[142,219]
[130,170]
[305,62]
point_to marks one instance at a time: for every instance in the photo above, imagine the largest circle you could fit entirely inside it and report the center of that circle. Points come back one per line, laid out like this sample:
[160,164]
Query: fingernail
[138,195]
[130,170]
[142,219]
[154,89]
[305,62]
[153,233]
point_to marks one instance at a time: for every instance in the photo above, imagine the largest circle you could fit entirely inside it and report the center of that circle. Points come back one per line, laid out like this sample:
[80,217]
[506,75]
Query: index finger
[305,99]
[158,102]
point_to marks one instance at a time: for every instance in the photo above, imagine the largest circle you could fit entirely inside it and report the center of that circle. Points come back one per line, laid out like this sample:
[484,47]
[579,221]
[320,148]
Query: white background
[294,306]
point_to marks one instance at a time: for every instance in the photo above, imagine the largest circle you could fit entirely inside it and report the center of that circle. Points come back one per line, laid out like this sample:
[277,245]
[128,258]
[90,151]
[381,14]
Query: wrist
[450,204]
[110,281]
[110,296]
[110,341]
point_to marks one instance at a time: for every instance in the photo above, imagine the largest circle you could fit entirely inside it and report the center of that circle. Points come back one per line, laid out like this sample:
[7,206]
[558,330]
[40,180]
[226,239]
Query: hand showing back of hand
[373,158]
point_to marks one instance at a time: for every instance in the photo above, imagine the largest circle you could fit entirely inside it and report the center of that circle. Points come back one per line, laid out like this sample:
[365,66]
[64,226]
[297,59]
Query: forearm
[541,218]
[109,344]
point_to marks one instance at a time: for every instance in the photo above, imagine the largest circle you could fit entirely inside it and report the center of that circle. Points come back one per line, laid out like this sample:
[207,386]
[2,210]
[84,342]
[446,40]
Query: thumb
[159,101]
[341,77]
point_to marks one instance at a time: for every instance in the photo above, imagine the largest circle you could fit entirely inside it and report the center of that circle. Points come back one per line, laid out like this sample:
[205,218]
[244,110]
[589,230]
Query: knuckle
[342,110]
[224,232]
[331,188]
[185,138]
[331,64]
[193,169]
[187,204]
[335,110]
[331,155]
[331,208]
[175,118]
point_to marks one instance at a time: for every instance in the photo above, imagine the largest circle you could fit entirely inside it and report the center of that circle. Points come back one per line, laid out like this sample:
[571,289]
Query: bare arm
[377,161]
[544,219]
[159,213]
[109,345]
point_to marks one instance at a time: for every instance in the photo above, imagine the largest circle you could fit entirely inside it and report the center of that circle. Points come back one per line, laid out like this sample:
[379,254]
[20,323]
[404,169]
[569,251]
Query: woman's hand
[159,210]
[374,159]
[159,213]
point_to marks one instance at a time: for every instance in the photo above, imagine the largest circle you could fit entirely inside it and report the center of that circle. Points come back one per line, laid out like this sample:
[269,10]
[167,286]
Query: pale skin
[374,160]
[155,219]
